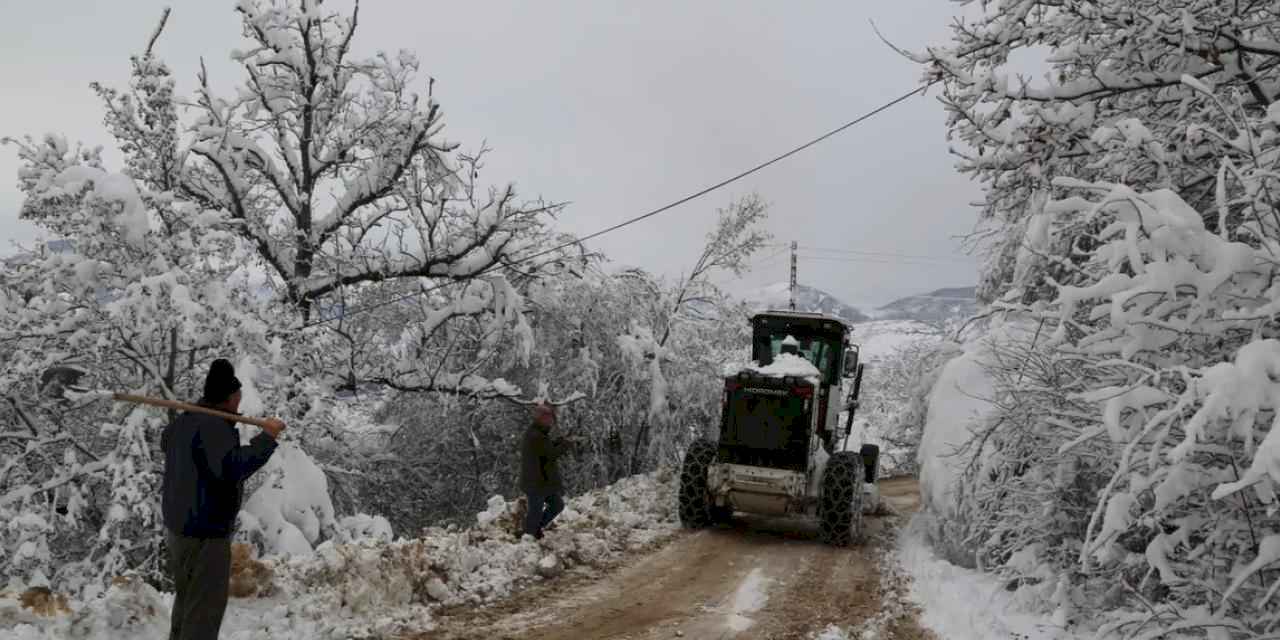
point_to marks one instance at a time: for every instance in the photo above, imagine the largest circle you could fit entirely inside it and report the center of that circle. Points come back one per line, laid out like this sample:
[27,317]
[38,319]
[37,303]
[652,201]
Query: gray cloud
[617,107]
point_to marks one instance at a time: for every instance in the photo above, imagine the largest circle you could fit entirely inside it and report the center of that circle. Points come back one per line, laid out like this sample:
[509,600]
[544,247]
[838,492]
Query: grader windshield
[818,339]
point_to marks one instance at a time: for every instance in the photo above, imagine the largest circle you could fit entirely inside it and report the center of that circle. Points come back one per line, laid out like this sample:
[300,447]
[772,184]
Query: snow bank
[963,604]
[959,400]
[488,562]
[371,587]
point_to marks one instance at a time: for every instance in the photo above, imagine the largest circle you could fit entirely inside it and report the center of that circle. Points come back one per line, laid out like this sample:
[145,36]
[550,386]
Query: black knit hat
[221,382]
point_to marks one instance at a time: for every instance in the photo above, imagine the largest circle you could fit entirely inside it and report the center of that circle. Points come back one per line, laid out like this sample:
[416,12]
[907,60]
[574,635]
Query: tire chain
[695,502]
[840,509]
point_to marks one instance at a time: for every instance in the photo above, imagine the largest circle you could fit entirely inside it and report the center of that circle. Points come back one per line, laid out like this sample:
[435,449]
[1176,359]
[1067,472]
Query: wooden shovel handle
[184,406]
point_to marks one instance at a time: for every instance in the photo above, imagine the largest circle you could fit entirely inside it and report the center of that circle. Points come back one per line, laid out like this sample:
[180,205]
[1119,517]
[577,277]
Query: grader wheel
[696,508]
[840,507]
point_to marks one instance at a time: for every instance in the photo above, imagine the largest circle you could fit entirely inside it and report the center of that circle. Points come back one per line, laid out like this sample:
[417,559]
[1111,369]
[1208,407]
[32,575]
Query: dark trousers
[201,570]
[543,508]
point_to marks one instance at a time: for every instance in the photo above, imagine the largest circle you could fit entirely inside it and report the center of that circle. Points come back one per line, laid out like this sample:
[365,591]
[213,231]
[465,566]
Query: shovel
[82,396]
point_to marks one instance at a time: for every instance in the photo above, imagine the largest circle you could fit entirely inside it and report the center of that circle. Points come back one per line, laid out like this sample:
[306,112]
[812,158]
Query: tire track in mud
[756,578]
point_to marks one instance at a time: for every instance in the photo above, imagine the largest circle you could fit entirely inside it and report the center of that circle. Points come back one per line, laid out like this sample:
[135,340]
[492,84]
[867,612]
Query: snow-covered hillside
[810,299]
[936,306]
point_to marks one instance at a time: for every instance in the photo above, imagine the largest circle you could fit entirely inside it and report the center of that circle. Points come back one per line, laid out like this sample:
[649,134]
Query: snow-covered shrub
[291,508]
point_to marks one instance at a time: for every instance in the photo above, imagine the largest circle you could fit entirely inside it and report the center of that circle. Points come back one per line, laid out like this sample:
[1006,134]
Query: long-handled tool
[166,404]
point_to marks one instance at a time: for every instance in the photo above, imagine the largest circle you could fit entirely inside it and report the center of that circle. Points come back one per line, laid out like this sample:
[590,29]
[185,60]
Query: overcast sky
[616,107]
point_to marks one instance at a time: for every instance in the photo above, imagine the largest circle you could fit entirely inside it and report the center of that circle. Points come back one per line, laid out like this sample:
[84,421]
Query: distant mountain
[809,299]
[935,306]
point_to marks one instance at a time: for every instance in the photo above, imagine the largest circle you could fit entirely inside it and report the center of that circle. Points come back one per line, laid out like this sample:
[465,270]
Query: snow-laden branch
[26,492]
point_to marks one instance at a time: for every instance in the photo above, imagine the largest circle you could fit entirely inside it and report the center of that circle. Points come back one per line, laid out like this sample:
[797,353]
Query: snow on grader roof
[802,315]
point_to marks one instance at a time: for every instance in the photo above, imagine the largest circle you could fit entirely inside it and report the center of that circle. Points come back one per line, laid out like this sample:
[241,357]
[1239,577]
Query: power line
[885,254]
[644,216]
[775,253]
[874,261]
[771,258]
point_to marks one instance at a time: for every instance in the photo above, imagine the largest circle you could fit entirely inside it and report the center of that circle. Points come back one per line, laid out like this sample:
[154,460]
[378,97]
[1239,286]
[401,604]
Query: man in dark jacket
[540,471]
[204,472]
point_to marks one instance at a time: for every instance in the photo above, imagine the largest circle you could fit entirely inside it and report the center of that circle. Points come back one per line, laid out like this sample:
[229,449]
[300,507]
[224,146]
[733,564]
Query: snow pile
[364,526]
[291,510]
[488,562]
[370,587]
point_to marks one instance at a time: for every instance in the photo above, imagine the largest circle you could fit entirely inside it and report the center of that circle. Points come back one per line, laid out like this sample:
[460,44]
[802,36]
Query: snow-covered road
[759,578]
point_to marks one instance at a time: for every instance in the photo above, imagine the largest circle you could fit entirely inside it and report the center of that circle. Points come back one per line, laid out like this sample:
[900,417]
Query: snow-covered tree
[438,457]
[138,292]
[1128,464]
[597,336]
[729,247]
[1112,105]
[321,180]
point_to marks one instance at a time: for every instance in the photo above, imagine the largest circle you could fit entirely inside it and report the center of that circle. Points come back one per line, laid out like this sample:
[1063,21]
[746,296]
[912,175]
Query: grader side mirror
[851,362]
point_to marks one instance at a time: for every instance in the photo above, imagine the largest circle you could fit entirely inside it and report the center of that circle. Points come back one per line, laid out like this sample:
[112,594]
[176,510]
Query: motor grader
[781,449]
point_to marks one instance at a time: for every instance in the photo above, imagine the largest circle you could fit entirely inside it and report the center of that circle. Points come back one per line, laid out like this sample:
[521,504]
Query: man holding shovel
[204,473]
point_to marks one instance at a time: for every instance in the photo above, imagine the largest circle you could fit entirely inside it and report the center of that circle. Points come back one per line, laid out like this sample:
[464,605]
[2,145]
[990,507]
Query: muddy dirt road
[759,578]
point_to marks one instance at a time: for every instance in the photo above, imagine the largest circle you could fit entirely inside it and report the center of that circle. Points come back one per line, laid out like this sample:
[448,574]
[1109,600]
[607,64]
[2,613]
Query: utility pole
[793,275]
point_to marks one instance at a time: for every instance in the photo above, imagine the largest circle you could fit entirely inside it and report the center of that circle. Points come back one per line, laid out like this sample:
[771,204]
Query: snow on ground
[749,598]
[374,587]
[952,602]
[964,604]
